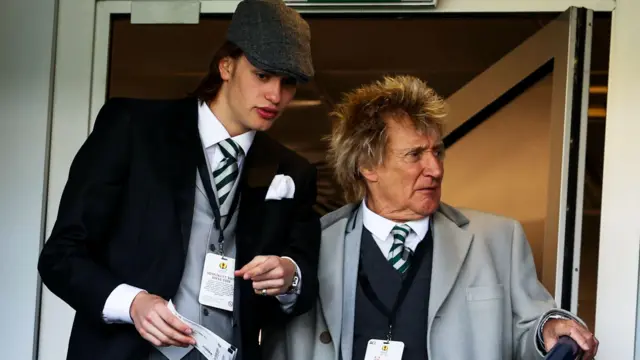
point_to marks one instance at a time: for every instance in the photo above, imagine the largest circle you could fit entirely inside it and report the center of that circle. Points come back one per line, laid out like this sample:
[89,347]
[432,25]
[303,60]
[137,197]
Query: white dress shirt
[118,304]
[211,133]
[381,227]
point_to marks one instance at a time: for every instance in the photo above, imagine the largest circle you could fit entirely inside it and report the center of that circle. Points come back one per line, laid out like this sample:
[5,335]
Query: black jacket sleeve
[70,262]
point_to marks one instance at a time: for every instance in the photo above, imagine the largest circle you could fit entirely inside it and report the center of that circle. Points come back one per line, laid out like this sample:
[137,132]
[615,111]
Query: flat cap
[273,37]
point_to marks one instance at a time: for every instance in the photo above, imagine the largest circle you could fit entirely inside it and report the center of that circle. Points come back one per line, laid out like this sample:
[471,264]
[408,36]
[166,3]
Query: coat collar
[337,227]
[451,242]
[262,162]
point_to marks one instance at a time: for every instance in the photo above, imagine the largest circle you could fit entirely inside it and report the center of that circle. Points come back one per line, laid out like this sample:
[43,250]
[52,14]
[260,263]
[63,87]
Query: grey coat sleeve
[531,302]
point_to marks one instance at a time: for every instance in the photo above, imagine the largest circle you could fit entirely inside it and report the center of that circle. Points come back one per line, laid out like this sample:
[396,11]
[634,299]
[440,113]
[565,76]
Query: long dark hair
[210,85]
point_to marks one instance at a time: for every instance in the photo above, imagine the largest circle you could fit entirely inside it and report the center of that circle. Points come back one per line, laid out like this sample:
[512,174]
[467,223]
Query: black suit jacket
[125,217]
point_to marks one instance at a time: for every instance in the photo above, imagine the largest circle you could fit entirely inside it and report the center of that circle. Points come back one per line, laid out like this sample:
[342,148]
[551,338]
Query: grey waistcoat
[204,239]
[411,320]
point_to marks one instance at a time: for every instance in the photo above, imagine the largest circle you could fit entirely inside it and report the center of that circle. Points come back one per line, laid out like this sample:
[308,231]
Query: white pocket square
[282,187]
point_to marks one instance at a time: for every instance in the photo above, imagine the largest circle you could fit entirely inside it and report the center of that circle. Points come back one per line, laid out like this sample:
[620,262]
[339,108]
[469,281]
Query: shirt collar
[212,131]
[381,227]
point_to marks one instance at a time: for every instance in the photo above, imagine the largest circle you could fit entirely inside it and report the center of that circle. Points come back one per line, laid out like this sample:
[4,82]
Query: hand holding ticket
[212,346]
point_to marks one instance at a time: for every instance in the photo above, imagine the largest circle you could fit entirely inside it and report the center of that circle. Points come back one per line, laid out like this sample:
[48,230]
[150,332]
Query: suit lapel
[337,277]
[261,163]
[450,246]
[330,278]
[351,262]
[185,152]
[200,185]
[259,169]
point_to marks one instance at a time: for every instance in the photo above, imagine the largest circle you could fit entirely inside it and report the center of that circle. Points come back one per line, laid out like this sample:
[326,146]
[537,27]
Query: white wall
[616,306]
[70,127]
[26,50]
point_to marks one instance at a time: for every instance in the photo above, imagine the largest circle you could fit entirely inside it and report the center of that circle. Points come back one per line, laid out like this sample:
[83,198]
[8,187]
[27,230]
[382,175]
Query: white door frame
[554,42]
[79,83]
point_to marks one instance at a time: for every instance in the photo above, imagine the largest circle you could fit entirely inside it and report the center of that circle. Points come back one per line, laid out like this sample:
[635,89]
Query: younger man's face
[256,98]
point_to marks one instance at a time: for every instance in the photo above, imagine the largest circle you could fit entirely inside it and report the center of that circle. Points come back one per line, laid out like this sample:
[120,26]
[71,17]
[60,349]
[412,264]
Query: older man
[403,275]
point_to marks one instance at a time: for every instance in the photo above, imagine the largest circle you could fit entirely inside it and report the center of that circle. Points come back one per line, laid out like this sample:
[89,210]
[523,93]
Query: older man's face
[407,185]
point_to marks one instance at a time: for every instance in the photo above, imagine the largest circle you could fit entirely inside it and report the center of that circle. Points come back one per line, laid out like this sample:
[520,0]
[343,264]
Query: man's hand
[554,328]
[271,273]
[155,322]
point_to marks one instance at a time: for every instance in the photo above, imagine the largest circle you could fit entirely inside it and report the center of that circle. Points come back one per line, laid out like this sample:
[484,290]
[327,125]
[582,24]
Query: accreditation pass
[384,350]
[216,286]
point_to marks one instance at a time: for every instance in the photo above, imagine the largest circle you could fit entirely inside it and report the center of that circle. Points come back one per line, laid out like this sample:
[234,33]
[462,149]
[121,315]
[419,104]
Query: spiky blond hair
[359,135]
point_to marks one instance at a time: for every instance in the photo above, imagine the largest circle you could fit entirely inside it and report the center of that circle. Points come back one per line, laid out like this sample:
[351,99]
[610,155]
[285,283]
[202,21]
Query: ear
[225,67]
[371,175]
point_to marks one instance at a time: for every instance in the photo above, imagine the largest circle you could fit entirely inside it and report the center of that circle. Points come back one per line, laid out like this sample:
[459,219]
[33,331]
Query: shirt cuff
[117,307]
[287,301]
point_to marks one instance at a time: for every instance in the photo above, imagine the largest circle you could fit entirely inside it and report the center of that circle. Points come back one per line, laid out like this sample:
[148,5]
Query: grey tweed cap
[273,37]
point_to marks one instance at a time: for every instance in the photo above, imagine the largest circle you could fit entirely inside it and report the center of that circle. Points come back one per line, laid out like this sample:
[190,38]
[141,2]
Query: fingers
[157,329]
[581,335]
[275,273]
[258,266]
[173,321]
[150,338]
[249,266]
[269,292]
[268,273]
[174,329]
[156,324]
[277,284]
[160,333]
[589,342]
[595,351]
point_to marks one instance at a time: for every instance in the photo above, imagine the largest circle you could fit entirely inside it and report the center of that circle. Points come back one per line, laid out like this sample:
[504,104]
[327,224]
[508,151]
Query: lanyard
[390,314]
[217,218]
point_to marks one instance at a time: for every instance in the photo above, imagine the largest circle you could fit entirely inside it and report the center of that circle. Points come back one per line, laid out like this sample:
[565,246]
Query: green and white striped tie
[396,254]
[227,171]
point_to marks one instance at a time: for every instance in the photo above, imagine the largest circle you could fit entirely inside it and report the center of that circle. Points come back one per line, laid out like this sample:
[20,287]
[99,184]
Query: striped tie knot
[227,171]
[396,255]
[230,149]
